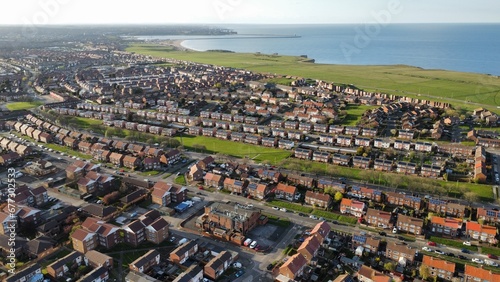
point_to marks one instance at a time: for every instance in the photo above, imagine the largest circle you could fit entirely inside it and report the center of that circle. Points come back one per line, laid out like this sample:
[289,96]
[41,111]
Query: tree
[471,197]
[150,141]
[394,132]
[424,272]
[360,151]
[338,196]
[389,266]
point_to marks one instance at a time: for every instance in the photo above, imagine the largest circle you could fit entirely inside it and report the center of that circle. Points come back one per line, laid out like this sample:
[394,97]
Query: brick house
[146,262]
[410,224]
[484,233]
[116,159]
[284,191]
[293,267]
[445,226]
[400,253]
[184,252]
[369,243]
[409,201]
[440,268]
[473,274]
[320,200]
[309,248]
[258,190]
[352,207]
[366,193]
[378,218]
[218,265]
[489,215]
[213,180]
[368,274]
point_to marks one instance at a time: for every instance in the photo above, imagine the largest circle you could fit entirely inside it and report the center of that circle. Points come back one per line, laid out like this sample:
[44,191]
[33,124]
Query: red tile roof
[439,263]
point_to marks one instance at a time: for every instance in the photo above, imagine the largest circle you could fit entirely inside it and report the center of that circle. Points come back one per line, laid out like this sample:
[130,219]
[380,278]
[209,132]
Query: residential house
[369,243]
[301,180]
[352,207]
[131,162]
[62,266]
[135,232]
[151,163]
[479,274]
[330,184]
[284,191]
[235,186]
[83,240]
[446,208]
[483,233]
[218,265]
[97,259]
[157,231]
[361,162]
[368,274]
[98,274]
[381,143]
[445,226]
[402,145]
[272,175]
[319,156]
[488,215]
[116,159]
[303,153]
[213,180]
[258,190]
[293,267]
[194,273]
[401,253]
[146,262]
[378,218]
[340,159]
[406,167]
[309,248]
[366,193]
[184,252]
[99,211]
[31,273]
[409,201]
[428,170]
[423,146]
[316,199]
[410,224]
[439,267]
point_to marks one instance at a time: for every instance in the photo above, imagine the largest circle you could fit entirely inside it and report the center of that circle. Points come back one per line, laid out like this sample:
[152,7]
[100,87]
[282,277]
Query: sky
[247,11]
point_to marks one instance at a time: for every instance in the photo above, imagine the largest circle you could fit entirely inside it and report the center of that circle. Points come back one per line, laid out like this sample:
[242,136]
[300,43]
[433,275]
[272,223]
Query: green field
[235,149]
[22,105]
[452,243]
[354,113]
[68,151]
[86,123]
[413,183]
[457,88]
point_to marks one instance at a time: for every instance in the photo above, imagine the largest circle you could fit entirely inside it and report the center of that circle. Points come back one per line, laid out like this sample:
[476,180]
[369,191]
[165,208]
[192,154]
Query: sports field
[22,105]
[467,90]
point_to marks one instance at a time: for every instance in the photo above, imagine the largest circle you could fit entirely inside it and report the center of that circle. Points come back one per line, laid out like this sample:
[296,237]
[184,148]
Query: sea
[457,47]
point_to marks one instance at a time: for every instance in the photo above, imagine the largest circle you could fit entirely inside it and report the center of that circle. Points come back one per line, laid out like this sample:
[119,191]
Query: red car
[492,256]
[430,243]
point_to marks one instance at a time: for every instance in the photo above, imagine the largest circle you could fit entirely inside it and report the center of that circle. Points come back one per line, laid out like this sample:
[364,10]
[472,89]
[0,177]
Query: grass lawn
[453,87]
[333,216]
[484,192]
[68,151]
[86,123]
[291,206]
[150,173]
[235,149]
[452,243]
[490,250]
[354,113]
[181,180]
[282,222]
[23,105]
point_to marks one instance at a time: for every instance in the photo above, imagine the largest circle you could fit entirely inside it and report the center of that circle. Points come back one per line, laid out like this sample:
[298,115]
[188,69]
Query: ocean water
[458,47]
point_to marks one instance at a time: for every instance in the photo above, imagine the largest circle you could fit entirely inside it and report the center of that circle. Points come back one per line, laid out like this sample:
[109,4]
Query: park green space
[235,149]
[22,105]
[458,88]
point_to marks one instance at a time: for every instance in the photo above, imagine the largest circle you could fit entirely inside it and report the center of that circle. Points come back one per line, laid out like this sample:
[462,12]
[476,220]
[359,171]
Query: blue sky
[246,11]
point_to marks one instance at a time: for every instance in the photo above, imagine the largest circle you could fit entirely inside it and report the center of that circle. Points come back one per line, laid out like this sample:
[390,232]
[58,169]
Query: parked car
[237,265]
[239,273]
[461,257]
[270,266]
[439,252]
[394,230]
[427,249]
[465,251]
[382,233]
[476,260]
[450,254]
[313,216]
[283,209]
[466,243]
[253,245]
[492,256]
[276,208]
[430,243]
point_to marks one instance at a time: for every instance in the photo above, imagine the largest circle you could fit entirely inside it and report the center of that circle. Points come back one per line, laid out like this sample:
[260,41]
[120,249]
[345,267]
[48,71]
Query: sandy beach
[177,44]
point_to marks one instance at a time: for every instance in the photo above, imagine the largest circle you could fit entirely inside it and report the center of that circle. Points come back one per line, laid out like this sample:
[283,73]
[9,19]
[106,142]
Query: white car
[283,209]
[253,245]
[427,249]
[476,260]
[276,208]
[439,252]
[394,230]
[467,243]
